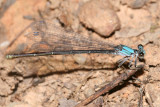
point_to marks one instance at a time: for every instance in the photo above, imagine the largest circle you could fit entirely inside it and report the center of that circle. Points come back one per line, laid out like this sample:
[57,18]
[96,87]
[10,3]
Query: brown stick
[109,86]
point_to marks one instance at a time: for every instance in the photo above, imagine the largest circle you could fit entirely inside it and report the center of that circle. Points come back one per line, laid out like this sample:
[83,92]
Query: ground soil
[66,80]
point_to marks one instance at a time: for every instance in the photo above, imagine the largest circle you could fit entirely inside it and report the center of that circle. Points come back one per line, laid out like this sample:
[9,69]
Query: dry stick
[109,86]
[141,91]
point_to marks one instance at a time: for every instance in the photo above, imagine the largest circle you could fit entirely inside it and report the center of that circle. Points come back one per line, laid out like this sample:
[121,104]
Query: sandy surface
[66,80]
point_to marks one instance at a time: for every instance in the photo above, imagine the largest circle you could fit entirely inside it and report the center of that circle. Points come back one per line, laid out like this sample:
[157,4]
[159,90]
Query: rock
[99,16]
[135,4]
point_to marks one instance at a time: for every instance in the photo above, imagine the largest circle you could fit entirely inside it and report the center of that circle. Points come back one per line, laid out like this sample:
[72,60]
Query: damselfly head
[141,51]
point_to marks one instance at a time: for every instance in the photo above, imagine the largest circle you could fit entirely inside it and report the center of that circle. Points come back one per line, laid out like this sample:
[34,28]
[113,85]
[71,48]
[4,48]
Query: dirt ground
[66,80]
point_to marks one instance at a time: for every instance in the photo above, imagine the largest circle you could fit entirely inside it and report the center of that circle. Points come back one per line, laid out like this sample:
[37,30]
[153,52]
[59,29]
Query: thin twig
[110,86]
[141,91]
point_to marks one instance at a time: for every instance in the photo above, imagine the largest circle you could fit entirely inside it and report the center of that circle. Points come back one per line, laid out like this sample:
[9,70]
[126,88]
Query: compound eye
[140,46]
[141,54]
[141,50]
